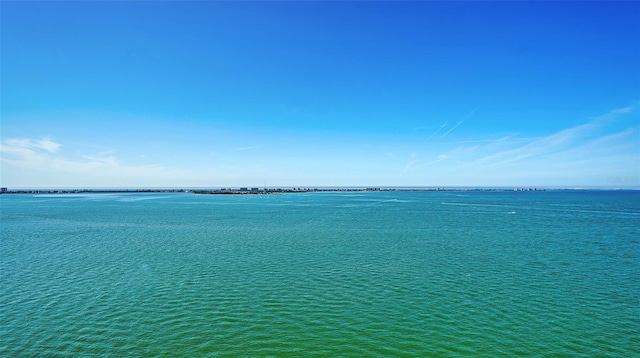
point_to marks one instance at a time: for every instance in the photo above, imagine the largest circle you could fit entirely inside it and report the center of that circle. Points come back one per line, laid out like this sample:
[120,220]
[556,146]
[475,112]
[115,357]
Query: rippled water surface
[324,274]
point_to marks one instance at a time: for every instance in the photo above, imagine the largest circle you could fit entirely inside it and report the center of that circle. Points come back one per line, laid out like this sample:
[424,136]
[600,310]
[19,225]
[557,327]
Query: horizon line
[326,187]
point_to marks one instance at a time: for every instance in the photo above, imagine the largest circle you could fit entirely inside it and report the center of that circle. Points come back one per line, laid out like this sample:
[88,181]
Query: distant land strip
[256,191]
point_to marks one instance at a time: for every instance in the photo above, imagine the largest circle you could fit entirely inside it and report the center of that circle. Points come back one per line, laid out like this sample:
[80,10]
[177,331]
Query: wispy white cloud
[588,153]
[438,130]
[40,161]
[553,143]
[416,164]
[496,140]
[613,114]
[459,122]
[249,148]
[111,160]
[451,129]
[45,144]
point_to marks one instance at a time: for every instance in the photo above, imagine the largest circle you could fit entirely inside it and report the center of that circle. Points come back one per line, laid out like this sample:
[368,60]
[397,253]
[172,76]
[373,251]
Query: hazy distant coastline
[283,190]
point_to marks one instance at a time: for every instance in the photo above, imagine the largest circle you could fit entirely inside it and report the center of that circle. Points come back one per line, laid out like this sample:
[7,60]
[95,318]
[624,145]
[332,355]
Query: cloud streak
[40,161]
[459,123]
[585,154]
[438,130]
[554,143]
[497,140]
[451,130]
[249,148]
[416,164]
[45,144]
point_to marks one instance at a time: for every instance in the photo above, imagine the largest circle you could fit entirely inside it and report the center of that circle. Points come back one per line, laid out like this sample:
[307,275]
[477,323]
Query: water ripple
[376,274]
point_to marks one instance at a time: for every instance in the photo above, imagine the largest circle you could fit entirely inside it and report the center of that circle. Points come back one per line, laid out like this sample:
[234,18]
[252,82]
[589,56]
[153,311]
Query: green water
[321,274]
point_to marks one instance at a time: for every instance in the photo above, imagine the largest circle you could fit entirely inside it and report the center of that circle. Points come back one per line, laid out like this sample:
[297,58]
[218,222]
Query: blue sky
[211,94]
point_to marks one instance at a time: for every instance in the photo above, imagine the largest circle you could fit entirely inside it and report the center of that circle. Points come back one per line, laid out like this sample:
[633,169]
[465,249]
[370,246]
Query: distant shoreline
[267,191]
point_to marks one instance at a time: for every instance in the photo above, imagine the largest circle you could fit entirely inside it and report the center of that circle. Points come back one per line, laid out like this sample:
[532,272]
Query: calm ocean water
[321,274]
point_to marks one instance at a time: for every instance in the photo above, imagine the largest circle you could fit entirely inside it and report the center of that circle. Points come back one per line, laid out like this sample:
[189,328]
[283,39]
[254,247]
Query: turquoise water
[321,274]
